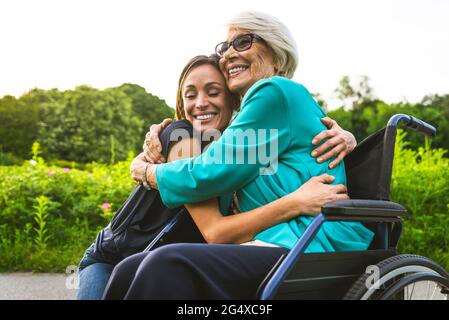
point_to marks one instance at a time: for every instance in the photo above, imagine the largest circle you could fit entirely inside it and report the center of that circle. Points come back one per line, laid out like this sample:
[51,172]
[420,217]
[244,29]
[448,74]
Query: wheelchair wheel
[402,277]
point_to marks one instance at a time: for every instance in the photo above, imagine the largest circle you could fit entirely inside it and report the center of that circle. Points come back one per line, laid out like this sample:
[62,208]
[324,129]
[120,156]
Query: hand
[312,195]
[152,147]
[339,143]
[137,167]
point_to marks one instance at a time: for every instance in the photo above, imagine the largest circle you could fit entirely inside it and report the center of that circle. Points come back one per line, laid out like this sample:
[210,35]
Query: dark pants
[193,271]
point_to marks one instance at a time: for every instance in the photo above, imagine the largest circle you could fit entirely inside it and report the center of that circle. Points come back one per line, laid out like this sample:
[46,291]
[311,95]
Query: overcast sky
[402,46]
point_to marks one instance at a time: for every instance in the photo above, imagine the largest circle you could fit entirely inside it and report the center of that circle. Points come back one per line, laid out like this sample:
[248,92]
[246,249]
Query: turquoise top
[278,119]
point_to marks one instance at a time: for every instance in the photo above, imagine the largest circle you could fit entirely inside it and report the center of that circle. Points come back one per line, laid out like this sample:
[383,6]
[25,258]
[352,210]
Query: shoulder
[266,92]
[174,132]
[177,125]
[289,87]
[276,88]
[296,95]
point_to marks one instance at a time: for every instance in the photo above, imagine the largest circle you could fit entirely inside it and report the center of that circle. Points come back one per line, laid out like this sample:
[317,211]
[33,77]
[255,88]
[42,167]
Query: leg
[122,276]
[93,280]
[93,276]
[203,271]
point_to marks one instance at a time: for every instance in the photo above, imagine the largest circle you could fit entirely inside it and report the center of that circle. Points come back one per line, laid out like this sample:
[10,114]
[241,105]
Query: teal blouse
[265,154]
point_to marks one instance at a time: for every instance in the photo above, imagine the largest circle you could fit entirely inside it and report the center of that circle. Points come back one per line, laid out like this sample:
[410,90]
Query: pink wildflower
[66,170]
[106,206]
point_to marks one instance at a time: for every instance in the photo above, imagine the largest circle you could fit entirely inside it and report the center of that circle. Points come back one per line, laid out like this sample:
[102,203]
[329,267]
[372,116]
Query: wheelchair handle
[412,122]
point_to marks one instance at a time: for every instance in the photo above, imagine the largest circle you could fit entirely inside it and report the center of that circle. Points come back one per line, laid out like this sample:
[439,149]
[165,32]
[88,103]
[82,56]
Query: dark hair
[197,61]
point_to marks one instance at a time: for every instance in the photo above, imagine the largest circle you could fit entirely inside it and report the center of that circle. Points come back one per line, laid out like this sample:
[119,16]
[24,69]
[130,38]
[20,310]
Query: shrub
[421,183]
[49,215]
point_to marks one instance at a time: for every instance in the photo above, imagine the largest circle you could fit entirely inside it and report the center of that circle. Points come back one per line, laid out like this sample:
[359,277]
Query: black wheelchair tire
[394,268]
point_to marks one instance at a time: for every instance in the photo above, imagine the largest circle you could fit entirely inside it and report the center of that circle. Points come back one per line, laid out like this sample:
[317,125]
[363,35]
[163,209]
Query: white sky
[403,46]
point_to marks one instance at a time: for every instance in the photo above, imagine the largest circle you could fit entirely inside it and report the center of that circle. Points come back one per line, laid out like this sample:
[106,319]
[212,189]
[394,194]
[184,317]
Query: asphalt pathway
[57,286]
[37,286]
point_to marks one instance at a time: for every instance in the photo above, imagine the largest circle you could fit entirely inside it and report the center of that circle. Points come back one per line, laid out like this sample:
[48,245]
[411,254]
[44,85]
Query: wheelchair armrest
[366,208]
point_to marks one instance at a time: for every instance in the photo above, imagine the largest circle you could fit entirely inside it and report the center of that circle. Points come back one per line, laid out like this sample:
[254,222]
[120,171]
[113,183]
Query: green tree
[79,127]
[435,110]
[343,117]
[356,99]
[18,127]
[149,108]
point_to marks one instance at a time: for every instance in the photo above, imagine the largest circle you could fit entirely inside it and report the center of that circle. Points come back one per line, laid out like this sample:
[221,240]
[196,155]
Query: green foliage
[80,128]
[40,218]
[9,158]
[363,114]
[50,211]
[81,125]
[18,126]
[36,153]
[49,215]
[354,96]
[147,107]
[421,183]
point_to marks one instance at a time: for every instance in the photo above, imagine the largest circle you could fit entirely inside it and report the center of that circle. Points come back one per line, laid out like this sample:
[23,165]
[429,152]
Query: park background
[80,82]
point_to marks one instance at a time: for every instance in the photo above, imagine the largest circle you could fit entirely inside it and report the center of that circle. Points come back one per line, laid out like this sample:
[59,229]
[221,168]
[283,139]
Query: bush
[421,183]
[49,215]
[8,158]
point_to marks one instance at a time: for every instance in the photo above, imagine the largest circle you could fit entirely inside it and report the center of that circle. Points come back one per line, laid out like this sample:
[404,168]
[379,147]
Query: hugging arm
[217,170]
[152,146]
[242,227]
[339,143]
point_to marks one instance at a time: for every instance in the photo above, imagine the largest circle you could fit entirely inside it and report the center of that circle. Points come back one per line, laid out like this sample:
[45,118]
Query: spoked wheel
[419,286]
[403,277]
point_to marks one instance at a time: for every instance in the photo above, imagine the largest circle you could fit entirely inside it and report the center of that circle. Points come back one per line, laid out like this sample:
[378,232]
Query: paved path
[36,286]
[53,286]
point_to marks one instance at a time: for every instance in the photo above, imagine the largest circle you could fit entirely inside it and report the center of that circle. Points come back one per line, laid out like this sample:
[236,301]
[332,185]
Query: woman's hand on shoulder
[339,143]
[152,148]
[312,195]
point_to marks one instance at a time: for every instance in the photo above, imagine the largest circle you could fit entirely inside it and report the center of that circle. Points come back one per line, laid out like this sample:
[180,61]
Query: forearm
[194,180]
[242,227]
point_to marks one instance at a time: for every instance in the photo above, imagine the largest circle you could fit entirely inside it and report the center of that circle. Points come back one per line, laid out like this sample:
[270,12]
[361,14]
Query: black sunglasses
[241,43]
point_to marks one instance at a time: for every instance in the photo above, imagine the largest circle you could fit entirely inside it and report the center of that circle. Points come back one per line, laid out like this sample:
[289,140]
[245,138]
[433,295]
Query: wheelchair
[378,273]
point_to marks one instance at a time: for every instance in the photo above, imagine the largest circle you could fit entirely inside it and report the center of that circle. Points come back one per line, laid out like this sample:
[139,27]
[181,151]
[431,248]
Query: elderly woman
[276,115]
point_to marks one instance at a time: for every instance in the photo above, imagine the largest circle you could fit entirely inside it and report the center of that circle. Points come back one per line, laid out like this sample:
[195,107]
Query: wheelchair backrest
[369,169]
[369,166]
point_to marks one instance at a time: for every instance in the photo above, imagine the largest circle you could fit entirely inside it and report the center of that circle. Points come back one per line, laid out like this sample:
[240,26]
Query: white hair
[275,34]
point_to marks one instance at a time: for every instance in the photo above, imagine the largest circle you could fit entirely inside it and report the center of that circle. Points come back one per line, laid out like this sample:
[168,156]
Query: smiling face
[206,99]
[243,69]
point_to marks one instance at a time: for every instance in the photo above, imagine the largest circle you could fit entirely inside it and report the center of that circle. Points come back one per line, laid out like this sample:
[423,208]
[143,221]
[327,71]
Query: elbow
[214,236]
[217,236]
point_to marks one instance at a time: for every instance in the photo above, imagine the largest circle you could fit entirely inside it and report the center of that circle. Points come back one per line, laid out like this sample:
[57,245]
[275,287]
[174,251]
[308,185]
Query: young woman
[204,104]
[257,60]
